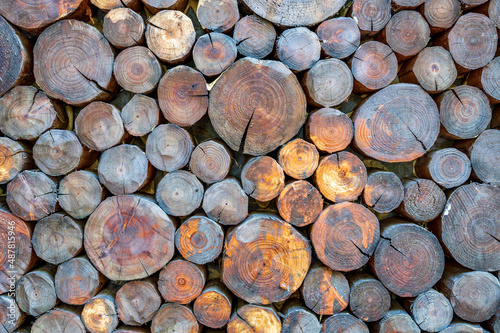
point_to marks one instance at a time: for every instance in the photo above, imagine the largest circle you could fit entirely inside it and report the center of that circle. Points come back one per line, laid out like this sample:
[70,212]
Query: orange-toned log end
[257,105]
[179,193]
[140,115]
[431,310]
[99,126]
[183,95]
[340,177]
[433,69]
[138,301]
[374,66]
[211,161]
[218,15]
[35,291]
[326,292]
[441,14]
[469,208]
[24,258]
[265,259]
[383,191]
[396,320]
[488,79]
[32,195]
[345,236]
[300,203]
[339,37]
[254,36]
[213,53]
[423,200]
[344,322]
[226,202]
[99,314]
[107,5]
[175,317]
[59,320]
[369,300]
[15,157]
[409,259]
[262,178]
[329,129]
[11,317]
[298,158]
[389,130]
[254,318]
[123,28]
[129,237]
[26,112]
[77,281]
[448,167]
[57,238]
[199,240]
[296,317]
[213,307]
[181,281]
[371,15]
[80,193]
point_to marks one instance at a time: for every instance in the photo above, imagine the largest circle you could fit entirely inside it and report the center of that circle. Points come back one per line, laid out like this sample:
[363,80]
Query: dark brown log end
[369,300]
[300,203]
[213,307]
[383,191]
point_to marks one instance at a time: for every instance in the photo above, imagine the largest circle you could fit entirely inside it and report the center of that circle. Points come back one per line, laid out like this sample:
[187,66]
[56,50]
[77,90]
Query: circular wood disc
[226,202]
[35,292]
[262,178]
[58,321]
[371,15]
[129,237]
[181,281]
[265,260]
[442,13]
[254,36]
[80,193]
[298,48]
[383,191]
[448,167]
[484,155]
[14,158]
[423,200]
[300,203]
[432,311]
[257,105]
[179,193]
[174,318]
[299,159]
[339,37]
[329,129]
[137,302]
[434,69]
[218,15]
[407,33]
[251,318]
[374,65]
[344,322]
[123,27]
[214,52]
[140,115]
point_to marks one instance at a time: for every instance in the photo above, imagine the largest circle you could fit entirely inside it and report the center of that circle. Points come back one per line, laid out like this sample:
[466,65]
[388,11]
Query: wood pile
[249,166]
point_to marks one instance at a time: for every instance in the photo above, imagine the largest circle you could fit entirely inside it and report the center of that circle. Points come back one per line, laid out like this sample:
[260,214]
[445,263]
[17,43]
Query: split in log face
[397,124]
[137,70]
[299,159]
[262,178]
[408,259]
[123,28]
[99,126]
[397,320]
[328,83]
[407,33]
[15,157]
[32,195]
[431,310]
[441,14]
[11,317]
[423,200]
[170,35]
[345,236]
[474,295]
[124,169]
[297,317]
[26,112]
[58,152]
[183,95]
[15,57]
[433,69]
[24,258]
[251,268]
[181,281]
[340,177]
[371,15]
[464,112]
[59,321]
[169,147]
[80,193]
[179,193]
[344,322]
[137,302]
[257,105]
[107,5]
[74,63]
[374,66]
[252,318]
[214,52]
[369,300]
[129,237]
[77,281]
[300,203]
[254,36]
[218,15]
[156,6]
[57,238]
[339,37]
[140,115]
[174,318]
[488,79]
[211,161]
[225,202]
[213,307]
[290,13]
[298,48]
[469,227]
[448,167]
[326,292]
[329,129]
[383,191]
[199,240]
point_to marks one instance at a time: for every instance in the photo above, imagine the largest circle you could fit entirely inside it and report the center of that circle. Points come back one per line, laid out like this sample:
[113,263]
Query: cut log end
[211,161]
[254,36]
[262,178]
[226,202]
[330,130]
[300,203]
[179,193]
[299,159]
[383,191]
[339,37]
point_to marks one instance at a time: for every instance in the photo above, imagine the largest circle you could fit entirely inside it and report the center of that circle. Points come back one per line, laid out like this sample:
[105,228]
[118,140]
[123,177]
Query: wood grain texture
[262,178]
[329,129]
[80,193]
[179,193]
[300,203]
[254,36]
[226,202]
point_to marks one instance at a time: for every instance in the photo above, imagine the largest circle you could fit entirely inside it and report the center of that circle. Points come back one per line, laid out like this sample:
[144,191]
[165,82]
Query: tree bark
[383,191]
[226,202]
[211,161]
[329,129]
[300,203]
[254,36]
[123,28]
[179,193]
